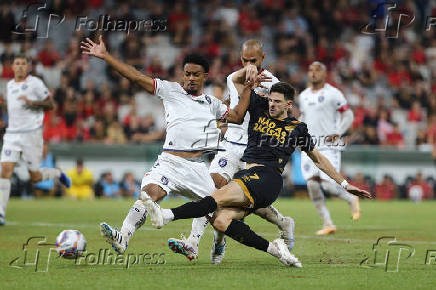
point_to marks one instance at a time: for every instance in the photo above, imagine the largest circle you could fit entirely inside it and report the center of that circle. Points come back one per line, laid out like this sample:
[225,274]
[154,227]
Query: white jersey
[239,133]
[20,117]
[321,111]
[190,120]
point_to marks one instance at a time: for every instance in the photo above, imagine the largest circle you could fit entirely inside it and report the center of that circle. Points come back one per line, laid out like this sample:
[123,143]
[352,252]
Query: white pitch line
[148,228]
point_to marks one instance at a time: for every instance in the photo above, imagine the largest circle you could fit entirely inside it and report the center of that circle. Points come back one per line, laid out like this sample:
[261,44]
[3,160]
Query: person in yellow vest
[82,182]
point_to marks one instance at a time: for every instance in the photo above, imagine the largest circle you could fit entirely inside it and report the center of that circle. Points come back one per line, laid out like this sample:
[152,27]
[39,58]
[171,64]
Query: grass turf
[328,262]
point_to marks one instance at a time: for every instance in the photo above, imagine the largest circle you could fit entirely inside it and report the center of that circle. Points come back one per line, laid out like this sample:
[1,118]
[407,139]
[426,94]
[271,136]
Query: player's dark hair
[284,88]
[196,58]
[21,56]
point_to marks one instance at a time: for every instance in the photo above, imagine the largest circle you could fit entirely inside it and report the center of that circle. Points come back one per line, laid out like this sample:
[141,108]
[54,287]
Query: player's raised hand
[92,48]
[358,192]
[258,80]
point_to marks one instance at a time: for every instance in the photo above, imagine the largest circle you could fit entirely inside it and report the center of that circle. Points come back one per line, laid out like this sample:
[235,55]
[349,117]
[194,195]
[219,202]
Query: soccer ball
[70,244]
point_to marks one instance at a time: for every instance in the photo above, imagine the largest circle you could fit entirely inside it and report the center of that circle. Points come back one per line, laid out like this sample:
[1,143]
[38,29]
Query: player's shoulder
[332,89]
[168,86]
[305,92]
[293,123]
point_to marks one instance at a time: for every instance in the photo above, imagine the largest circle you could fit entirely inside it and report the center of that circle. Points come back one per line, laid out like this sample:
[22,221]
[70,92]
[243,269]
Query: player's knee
[6,171]
[221,223]
[218,179]
[153,191]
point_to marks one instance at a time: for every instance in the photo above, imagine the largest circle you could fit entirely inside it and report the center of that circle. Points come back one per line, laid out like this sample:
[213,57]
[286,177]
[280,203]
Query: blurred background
[107,132]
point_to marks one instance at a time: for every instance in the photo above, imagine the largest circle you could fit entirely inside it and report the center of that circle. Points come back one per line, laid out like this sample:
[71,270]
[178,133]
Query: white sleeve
[233,92]
[41,91]
[340,103]
[165,89]
[219,109]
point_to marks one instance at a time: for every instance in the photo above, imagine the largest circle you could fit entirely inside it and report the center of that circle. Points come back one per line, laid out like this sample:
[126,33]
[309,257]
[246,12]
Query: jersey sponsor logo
[268,127]
[222,162]
[250,177]
[320,98]
[208,99]
[164,180]
[8,152]
[24,87]
[15,91]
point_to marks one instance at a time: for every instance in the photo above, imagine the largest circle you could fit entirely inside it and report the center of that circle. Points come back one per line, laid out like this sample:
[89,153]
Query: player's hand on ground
[358,192]
[92,48]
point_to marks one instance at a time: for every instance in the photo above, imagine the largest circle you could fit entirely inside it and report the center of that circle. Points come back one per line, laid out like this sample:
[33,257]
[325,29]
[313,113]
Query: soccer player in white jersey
[328,116]
[191,131]
[227,163]
[27,98]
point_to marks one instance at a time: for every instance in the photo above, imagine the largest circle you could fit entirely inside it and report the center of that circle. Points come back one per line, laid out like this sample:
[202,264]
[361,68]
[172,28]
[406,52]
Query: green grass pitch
[328,262]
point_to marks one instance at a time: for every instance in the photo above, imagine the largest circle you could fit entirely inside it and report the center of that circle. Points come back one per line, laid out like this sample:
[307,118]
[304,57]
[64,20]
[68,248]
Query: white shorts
[309,169]
[178,175]
[28,144]
[227,163]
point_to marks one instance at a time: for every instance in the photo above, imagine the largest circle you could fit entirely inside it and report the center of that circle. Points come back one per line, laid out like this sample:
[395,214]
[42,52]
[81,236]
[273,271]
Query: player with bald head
[328,116]
[227,163]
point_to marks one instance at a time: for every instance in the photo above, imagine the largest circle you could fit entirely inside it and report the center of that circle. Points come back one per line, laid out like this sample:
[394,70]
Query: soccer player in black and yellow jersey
[272,137]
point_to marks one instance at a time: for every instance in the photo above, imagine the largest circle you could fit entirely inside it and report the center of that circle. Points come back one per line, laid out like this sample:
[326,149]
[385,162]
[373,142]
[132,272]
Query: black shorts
[261,184]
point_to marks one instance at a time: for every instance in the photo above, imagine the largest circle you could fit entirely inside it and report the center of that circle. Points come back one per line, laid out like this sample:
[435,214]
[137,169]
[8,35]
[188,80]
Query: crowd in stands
[390,83]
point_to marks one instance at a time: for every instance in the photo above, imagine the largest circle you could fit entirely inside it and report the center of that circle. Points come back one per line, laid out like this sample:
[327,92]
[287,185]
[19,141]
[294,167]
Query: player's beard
[192,92]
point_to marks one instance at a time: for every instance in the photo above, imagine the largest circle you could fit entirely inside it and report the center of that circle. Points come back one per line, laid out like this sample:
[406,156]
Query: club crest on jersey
[320,98]
[8,152]
[222,162]
[24,86]
[164,180]
[208,99]
[306,167]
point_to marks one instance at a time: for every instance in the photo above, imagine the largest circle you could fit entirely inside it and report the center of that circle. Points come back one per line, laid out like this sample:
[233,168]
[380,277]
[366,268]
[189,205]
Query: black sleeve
[257,103]
[305,141]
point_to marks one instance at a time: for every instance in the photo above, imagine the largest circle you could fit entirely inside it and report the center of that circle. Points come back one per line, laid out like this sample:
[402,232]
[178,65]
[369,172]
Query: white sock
[167,214]
[134,220]
[219,237]
[197,231]
[272,215]
[5,191]
[272,249]
[50,173]
[336,189]
[315,193]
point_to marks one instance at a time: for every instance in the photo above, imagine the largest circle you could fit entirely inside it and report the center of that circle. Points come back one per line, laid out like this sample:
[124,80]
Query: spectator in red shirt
[48,56]
[419,189]
[395,138]
[415,114]
[386,190]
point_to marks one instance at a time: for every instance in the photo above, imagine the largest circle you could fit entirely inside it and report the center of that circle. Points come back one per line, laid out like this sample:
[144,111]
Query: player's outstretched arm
[324,164]
[128,71]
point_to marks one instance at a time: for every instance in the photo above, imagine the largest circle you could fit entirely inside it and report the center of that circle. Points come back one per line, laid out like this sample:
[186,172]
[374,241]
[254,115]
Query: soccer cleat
[355,209]
[284,255]
[327,230]
[65,180]
[217,252]
[184,247]
[2,220]
[114,237]
[287,232]
[155,213]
